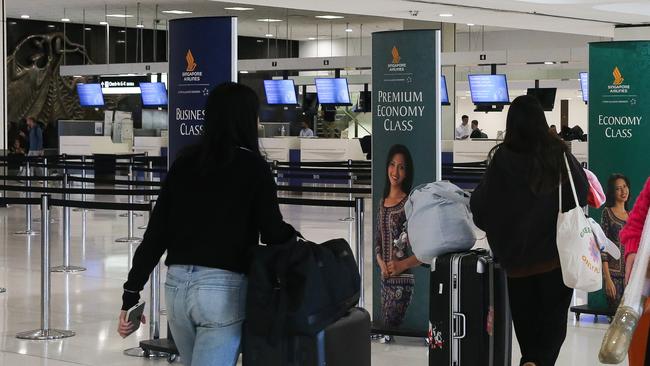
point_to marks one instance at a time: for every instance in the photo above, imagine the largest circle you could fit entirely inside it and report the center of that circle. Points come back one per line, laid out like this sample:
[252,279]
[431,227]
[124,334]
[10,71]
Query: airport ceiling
[588,17]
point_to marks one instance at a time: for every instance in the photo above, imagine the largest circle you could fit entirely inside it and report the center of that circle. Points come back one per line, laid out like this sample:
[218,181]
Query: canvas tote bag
[579,253]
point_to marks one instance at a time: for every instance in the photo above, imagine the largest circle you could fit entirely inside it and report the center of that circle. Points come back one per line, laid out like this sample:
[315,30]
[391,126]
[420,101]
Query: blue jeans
[206,309]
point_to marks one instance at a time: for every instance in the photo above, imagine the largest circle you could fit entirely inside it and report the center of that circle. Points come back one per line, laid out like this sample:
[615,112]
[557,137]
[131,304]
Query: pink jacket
[631,234]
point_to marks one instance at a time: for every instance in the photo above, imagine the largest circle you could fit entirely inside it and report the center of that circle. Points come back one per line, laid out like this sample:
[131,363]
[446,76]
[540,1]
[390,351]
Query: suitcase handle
[459,319]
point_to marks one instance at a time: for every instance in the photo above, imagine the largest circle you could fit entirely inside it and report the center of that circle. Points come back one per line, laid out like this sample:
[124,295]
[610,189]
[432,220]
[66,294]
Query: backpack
[300,287]
[439,221]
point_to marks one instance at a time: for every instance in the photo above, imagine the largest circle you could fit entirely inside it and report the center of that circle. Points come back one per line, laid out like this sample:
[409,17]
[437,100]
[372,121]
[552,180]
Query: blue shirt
[36,138]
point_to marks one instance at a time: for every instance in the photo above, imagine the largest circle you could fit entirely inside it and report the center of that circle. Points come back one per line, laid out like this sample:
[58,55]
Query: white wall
[492,122]
[520,39]
[338,47]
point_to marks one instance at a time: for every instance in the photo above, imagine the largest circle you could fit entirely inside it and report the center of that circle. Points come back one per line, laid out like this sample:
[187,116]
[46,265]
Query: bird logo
[191,63]
[396,56]
[618,77]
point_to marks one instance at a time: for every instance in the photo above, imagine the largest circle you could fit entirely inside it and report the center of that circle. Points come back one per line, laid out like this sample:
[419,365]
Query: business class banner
[619,111]
[405,152]
[202,55]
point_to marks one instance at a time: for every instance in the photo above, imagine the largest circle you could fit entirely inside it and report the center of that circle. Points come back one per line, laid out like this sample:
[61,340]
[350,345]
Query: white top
[306,132]
[463,132]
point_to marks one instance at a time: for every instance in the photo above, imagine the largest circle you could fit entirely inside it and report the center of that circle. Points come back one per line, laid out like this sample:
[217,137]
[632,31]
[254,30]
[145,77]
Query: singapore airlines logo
[618,77]
[191,63]
[190,74]
[396,56]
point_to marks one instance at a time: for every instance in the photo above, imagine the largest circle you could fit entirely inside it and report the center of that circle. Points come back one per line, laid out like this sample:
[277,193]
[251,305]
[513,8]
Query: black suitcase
[470,323]
[346,342]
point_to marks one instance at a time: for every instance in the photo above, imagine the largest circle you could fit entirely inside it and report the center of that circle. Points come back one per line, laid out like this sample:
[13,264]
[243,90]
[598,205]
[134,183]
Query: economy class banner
[405,153]
[619,112]
[202,55]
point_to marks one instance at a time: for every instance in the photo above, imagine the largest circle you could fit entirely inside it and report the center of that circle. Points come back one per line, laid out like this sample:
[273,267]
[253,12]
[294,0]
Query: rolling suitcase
[345,342]
[470,323]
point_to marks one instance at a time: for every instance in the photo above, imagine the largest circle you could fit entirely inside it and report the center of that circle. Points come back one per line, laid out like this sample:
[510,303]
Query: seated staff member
[218,201]
[306,131]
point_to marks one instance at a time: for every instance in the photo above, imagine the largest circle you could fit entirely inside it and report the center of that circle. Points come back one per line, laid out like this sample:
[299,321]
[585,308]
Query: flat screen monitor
[546,96]
[280,92]
[365,101]
[90,95]
[489,89]
[584,86]
[153,94]
[444,97]
[333,92]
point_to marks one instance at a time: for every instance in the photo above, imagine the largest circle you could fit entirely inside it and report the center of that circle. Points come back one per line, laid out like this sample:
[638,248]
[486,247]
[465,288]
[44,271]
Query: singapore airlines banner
[202,55]
[619,112]
[406,153]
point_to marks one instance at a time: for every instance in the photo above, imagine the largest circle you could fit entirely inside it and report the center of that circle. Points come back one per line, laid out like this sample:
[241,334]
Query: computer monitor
[280,92]
[444,96]
[489,89]
[90,95]
[584,86]
[546,96]
[333,91]
[153,94]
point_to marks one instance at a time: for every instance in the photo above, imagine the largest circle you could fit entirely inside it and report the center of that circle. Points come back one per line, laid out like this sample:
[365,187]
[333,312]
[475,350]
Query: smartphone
[134,315]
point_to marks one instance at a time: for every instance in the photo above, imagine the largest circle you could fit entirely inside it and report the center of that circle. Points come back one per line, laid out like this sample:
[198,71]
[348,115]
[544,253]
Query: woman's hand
[395,268]
[383,268]
[124,326]
[610,288]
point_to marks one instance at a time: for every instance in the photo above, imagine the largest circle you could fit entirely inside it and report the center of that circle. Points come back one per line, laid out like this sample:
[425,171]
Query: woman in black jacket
[217,202]
[516,204]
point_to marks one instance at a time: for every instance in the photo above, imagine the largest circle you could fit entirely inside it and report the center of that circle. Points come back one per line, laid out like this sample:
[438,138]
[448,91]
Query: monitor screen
[489,89]
[584,85]
[333,91]
[280,92]
[444,97]
[90,95]
[546,96]
[153,94]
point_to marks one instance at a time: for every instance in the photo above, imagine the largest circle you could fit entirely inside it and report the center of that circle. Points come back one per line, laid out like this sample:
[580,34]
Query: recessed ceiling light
[269,20]
[13,23]
[51,26]
[268,35]
[312,38]
[243,72]
[549,63]
[25,16]
[119,15]
[470,24]
[178,12]
[122,31]
[446,15]
[349,30]
[239,8]
[140,26]
[65,20]
[103,23]
[329,17]
[88,29]
[77,76]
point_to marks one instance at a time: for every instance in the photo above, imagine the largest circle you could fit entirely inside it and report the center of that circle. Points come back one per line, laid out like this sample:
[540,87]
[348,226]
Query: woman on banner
[392,248]
[516,204]
[613,220]
[218,201]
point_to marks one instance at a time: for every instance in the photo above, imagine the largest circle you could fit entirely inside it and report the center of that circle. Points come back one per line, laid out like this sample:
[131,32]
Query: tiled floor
[88,302]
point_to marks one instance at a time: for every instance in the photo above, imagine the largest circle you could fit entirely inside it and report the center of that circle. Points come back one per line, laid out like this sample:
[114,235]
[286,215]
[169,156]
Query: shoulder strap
[573,186]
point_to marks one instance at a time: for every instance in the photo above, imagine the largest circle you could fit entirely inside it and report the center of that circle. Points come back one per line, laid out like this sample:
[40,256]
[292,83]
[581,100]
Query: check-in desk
[278,148]
[472,151]
[88,145]
[318,150]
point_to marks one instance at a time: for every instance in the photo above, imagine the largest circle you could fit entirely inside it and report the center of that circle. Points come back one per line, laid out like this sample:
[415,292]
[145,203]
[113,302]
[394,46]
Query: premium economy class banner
[405,153]
[202,55]
[619,112]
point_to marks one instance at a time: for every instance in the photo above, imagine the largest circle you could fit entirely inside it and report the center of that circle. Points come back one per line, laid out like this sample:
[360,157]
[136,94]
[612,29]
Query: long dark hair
[407,183]
[527,133]
[231,117]
[611,190]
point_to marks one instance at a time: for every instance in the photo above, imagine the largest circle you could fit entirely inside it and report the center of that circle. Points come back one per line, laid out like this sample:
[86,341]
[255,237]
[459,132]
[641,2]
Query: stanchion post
[130,238]
[45,333]
[275,171]
[28,208]
[154,303]
[66,267]
[350,197]
[359,215]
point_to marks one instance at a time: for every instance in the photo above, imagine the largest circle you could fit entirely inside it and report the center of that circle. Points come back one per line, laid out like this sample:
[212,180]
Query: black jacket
[211,221]
[521,226]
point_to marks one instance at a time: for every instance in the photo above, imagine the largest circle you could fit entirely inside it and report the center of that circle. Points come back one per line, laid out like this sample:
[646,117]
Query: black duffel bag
[300,287]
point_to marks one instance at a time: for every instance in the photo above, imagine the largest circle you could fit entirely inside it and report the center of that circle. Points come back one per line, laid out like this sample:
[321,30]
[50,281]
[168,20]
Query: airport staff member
[463,131]
[306,131]
[476,132]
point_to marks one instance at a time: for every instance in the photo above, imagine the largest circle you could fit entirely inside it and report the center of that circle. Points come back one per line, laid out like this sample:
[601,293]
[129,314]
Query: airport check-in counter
[472,151]
[320,150]
[278,148]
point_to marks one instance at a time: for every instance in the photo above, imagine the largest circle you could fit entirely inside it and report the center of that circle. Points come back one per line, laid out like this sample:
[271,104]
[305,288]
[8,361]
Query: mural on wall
[35,86]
